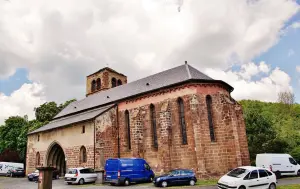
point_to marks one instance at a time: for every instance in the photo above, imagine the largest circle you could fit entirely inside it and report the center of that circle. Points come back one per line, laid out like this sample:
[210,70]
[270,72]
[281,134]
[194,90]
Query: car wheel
[242,187]
[126,182]
[298,173]
[69,183]
[81,182]
[164,184]
[112,184]
[278,174]
[272,186]
[151,179]
[192,182]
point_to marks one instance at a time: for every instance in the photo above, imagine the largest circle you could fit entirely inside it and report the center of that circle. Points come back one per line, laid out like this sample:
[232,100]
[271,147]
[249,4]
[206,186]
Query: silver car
[80,175]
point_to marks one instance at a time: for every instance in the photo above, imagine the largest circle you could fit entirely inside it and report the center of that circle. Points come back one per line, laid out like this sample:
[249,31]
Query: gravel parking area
[23,183]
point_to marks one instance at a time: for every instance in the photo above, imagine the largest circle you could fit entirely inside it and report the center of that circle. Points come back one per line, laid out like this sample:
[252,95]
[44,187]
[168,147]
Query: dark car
[18,172]
[35,175]
[176,177]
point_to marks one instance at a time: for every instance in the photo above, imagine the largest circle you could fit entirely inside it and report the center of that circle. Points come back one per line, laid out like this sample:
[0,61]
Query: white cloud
[298,69]
[263,67]
[265,89]
[291,52]
[296,25]
[21,102]
[60,42]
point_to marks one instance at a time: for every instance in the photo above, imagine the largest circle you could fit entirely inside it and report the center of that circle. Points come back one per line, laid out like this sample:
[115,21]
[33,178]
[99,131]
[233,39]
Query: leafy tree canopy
[13,134]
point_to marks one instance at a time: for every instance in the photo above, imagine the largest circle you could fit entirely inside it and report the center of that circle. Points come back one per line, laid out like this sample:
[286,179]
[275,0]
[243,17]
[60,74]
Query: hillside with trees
[273,127]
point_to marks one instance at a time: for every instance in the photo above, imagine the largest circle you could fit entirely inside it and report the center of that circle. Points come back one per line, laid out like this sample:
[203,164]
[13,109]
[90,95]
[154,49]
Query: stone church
[178,118]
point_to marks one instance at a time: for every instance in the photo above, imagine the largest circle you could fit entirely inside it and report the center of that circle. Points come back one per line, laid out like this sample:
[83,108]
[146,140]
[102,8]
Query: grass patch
[293,186]
[206,182]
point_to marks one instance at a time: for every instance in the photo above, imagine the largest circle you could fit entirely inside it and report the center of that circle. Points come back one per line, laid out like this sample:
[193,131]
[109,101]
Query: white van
[5,166]
[280,164]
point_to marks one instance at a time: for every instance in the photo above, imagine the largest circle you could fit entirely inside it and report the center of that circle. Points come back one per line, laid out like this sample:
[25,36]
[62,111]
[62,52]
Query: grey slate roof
[85,109]
[163,79]
[84,116]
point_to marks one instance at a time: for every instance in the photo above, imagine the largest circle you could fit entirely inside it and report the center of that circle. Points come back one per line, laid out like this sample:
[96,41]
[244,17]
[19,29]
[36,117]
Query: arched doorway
[56,158]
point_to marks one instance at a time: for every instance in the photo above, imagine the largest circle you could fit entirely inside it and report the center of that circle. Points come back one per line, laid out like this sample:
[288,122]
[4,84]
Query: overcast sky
[47,48]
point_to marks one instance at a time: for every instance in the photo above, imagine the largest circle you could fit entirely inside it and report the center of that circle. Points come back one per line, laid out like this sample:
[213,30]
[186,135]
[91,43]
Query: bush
[296,153]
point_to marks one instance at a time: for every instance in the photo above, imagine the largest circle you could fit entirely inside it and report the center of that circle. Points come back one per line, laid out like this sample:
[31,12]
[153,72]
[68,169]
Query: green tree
[47,111]
[13,135]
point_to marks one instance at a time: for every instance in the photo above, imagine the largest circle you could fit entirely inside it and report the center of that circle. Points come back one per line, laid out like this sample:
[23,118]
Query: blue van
[127,170]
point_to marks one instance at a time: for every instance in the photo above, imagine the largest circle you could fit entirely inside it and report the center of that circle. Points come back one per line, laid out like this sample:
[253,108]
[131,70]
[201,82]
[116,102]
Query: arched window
[83,155]
[210,120]
[37,159]
[93,85]
[98,83]
[119,82]
[113,82]
[182,121]
[127,122]
[153,124]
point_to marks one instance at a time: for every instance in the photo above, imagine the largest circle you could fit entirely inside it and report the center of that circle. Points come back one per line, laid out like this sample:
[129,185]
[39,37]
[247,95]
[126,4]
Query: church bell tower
[104,79]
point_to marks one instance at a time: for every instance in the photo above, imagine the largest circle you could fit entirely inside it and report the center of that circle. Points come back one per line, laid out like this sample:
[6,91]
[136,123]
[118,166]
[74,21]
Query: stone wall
[73,156]
[207,158]
[106,144]
[69,138]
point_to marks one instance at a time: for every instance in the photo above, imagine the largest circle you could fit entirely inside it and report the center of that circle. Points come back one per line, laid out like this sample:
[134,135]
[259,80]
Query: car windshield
[72,171]
[239,172]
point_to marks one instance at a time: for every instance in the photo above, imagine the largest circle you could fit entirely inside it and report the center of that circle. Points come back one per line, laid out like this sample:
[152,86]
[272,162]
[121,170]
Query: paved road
[23,183]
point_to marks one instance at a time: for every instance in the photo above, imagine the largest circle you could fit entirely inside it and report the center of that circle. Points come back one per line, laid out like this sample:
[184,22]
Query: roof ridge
[188,71]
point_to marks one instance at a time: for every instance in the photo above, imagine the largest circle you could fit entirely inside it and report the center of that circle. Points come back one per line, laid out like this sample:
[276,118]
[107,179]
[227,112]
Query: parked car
[248,177]
[80,176]
[280,164]
[176,177]
[17,172]
[6,166]
[35,175]
[124,171]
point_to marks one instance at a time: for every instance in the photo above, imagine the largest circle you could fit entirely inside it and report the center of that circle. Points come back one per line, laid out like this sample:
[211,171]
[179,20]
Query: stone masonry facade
[207,158]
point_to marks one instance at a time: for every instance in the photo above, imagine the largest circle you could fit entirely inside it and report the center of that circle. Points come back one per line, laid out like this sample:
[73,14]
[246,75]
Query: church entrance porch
[56,158]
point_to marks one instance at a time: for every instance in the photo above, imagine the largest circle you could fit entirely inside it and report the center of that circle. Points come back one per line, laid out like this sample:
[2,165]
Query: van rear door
[112,168]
